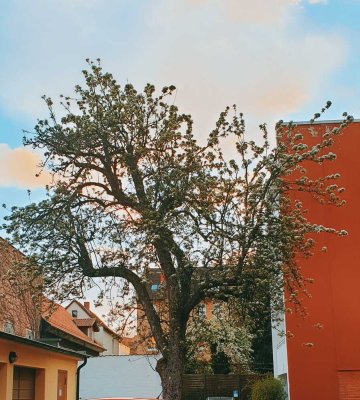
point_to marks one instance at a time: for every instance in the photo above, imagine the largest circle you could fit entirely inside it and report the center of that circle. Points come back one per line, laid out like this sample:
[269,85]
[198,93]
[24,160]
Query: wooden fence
[201,386]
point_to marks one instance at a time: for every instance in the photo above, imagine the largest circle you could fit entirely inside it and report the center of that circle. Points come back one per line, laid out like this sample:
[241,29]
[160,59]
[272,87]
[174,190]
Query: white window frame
[216,310]
[9,327]
[29,334]
[201,311]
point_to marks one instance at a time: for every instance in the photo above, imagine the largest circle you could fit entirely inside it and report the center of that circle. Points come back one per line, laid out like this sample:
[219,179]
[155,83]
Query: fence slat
[201,386]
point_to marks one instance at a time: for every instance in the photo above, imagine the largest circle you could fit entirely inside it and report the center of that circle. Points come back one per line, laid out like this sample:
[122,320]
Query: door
[24,384]
[62,385]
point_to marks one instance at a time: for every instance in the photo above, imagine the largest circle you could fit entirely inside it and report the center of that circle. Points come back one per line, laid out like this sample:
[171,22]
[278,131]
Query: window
[154,287]
[216,310]
[74,313]
[29,334]
[201,311]
[8,327]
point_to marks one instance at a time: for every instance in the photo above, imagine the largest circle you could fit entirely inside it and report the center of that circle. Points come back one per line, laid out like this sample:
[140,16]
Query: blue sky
[274,58]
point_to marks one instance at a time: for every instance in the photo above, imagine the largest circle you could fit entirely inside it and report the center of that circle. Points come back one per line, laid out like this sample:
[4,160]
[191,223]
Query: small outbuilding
[32,370]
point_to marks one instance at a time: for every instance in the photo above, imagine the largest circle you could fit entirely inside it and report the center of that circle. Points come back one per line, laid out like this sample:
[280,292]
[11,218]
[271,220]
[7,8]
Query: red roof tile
[84,322]
[98,319]
[59,318]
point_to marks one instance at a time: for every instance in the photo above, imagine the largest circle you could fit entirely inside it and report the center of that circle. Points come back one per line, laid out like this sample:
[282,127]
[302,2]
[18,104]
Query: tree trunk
[170,368]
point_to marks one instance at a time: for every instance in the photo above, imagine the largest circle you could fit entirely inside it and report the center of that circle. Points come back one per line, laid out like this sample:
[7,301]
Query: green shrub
[268,389]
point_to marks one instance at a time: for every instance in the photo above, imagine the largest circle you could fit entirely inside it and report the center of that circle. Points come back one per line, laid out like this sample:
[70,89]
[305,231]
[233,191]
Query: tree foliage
[133,189]
[221,344]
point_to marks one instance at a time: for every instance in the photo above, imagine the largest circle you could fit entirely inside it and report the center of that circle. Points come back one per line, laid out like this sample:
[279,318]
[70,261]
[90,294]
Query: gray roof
[40,345]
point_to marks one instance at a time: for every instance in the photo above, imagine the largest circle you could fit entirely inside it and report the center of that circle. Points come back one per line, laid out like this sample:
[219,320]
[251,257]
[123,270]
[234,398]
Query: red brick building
[26,313]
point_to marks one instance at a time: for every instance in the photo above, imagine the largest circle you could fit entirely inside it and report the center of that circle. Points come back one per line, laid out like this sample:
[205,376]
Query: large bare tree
[134,190]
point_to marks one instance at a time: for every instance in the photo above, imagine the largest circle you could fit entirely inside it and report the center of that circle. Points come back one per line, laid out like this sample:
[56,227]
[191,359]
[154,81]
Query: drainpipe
[78,378]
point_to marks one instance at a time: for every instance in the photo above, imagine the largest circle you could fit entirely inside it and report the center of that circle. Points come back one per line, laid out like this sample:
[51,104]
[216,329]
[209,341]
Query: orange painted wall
[47,363]
[335,302]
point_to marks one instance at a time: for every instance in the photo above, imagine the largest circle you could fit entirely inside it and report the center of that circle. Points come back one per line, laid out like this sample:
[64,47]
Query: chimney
[87,305]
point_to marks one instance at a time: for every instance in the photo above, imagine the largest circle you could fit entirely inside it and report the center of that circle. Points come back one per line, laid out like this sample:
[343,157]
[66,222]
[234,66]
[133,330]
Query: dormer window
[154,287]
[74,313]
[201,311]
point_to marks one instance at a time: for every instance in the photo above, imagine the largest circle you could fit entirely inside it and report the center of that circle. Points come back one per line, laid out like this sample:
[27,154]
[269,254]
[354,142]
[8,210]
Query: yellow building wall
[124,350]
[47,363]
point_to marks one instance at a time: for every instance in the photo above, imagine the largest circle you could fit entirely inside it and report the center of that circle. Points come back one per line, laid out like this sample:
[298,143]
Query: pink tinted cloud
[255,11]
[18,168]
[269,71]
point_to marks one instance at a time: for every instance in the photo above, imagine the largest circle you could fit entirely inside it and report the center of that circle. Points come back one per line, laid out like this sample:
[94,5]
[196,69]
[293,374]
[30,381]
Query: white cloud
[18,168]
[268,70]
[259,54]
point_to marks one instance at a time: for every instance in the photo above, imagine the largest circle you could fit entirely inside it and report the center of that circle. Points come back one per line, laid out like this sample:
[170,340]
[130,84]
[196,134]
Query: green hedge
[268,389]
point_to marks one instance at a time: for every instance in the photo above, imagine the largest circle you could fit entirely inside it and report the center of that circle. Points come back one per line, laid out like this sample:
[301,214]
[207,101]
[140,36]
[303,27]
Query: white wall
[119,376]
[280,352]
[80,312]
[107,340]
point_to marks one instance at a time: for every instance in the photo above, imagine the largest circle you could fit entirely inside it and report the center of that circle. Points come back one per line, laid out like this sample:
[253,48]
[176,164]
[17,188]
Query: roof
[5,242]
[84,322]
[326,121]
[57,317]
[40,345]
[155,276]
[93,315]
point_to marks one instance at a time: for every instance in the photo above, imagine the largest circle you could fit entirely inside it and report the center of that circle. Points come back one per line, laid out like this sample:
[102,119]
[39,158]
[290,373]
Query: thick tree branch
[121,271]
